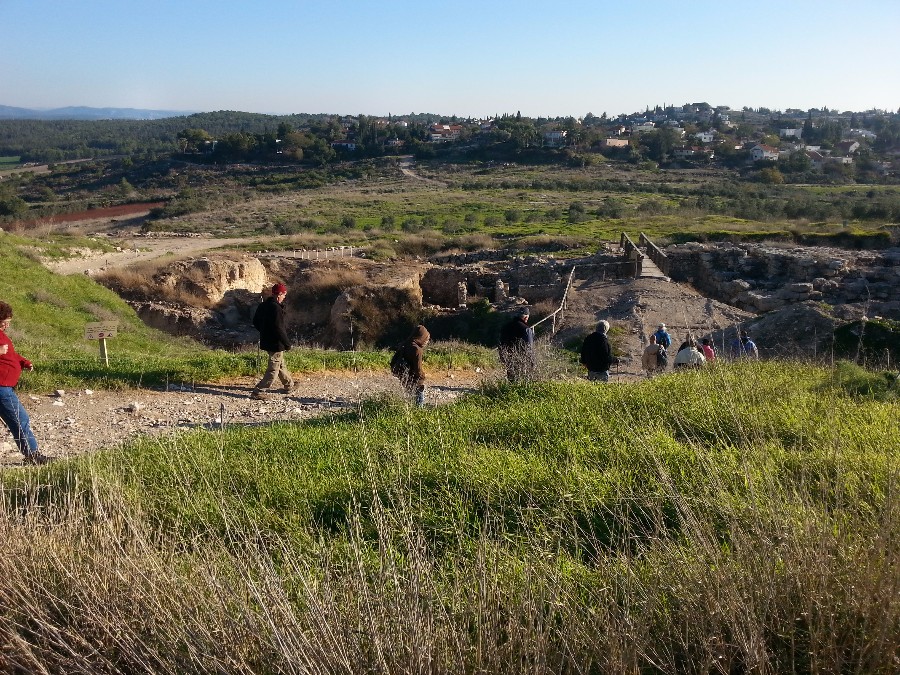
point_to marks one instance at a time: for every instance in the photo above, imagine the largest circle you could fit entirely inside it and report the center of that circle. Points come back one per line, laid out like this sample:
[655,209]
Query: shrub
[871,342]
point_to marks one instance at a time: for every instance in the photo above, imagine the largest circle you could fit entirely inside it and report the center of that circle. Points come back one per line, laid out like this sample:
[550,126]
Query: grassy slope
[741,518]
[50,312]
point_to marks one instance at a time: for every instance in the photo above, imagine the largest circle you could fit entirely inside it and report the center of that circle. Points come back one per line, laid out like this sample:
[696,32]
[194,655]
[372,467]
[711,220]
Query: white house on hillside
[642,127]
[863,133]
[791,133]
[441,133]
[555,139]
[763,152]
[816,159]
[614,143]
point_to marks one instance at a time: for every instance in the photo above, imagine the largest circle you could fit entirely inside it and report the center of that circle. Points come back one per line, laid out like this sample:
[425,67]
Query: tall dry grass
[696,523]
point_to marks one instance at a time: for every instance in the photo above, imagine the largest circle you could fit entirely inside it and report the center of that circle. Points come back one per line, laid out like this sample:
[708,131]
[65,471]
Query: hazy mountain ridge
[87,113]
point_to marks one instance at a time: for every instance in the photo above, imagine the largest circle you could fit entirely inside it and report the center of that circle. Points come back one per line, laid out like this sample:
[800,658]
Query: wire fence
[317,254]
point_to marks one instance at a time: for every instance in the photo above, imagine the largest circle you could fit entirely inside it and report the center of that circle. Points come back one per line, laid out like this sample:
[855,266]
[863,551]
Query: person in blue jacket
[742,347]
[662,336]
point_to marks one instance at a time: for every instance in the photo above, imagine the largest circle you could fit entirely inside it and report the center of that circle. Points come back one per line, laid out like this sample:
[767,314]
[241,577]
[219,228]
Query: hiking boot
[38,459]
[257,395]
[291,389]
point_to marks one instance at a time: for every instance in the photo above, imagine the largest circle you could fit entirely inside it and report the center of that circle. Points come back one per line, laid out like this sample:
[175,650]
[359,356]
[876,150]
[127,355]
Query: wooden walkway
[650,270]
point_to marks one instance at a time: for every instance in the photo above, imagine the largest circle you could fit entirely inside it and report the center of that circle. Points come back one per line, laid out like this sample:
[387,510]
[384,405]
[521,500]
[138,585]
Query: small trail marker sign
[101,330]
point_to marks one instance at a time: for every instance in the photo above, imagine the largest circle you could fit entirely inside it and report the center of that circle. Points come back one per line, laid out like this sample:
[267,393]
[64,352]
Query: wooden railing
[655,253]
[632,252]
[559,310]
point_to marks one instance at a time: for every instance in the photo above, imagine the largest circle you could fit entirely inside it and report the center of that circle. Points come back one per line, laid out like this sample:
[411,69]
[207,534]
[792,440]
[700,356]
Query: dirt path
[138,249]
[80,422]
[406,168]
[640,305]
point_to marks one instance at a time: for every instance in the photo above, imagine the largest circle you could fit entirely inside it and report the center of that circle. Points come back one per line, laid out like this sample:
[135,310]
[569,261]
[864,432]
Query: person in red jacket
[12,413]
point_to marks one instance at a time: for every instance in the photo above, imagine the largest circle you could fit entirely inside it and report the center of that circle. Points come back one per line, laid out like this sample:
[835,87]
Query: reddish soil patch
[93,214]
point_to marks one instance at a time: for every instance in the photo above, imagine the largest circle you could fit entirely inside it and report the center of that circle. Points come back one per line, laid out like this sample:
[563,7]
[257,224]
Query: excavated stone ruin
[799,293]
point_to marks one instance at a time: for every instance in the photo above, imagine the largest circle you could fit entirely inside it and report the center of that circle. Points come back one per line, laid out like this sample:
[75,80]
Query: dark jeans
[16,419]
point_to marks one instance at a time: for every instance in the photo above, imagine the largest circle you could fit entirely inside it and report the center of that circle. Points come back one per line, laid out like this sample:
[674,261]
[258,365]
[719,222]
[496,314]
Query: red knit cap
[278,289]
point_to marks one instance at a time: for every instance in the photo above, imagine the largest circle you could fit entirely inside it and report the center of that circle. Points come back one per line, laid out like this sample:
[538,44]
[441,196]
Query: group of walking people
[268,319]
[690,353]
[516,352]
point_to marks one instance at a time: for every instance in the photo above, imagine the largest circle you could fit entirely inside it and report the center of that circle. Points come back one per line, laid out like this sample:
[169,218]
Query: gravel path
[79,422]
[142,249]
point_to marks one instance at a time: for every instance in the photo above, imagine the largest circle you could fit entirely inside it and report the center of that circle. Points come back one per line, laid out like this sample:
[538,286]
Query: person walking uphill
[407,363]
[663,339]
[517,347]
[596,354]
[269,321]
[650,357]
[12,412]
[743,347]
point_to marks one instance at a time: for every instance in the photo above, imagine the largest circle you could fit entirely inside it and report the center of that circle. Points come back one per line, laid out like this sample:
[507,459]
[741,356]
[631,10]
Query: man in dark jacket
[596,353]
[412,377]
[517,347]
[269,321]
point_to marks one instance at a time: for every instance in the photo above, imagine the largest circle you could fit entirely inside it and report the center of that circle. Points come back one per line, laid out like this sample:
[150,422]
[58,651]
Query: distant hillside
[86,113]
[53,140]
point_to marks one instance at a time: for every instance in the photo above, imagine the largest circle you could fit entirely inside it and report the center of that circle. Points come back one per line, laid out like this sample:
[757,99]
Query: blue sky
[465,58]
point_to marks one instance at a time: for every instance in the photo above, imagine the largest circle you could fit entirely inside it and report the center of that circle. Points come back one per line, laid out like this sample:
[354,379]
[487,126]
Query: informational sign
[100,330]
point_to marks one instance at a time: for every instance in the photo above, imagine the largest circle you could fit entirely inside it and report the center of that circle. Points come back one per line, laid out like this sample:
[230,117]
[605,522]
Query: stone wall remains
[761,278]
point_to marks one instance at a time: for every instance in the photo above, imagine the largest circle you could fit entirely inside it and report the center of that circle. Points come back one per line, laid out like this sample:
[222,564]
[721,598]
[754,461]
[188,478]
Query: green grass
[9,162]
[737,519]
[50,312]
[552,446]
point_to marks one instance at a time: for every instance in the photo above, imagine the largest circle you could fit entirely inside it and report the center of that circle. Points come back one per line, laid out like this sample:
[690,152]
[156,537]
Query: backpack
[399,364]
[662,357]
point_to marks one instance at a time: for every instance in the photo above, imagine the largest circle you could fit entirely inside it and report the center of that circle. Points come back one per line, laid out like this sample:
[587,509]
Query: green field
[467,206]
[740,519]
